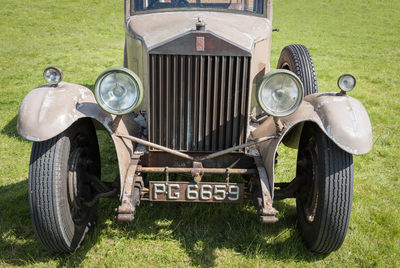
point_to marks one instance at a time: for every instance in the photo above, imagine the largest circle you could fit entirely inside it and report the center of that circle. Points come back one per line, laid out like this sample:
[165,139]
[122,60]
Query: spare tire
[297,59]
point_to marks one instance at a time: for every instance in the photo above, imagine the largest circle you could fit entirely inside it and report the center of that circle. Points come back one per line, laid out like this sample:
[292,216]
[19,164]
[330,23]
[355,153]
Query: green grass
[83,38]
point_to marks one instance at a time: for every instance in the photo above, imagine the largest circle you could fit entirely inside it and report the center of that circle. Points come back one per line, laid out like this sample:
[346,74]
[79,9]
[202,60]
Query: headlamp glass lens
[346,82]
[117,92]
[52,75]
[280,94]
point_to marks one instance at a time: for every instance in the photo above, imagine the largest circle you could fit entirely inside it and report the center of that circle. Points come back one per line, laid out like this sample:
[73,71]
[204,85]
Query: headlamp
[280,93]
[118,90]
[346,82]
[53,75]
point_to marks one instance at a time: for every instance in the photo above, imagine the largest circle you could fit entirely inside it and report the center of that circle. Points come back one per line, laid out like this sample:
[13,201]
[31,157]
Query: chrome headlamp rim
[340,79]
[125,71]
[267,78]
[58,70]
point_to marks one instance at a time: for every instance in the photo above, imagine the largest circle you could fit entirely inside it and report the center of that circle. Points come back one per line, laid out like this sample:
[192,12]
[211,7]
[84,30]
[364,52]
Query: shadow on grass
[18,243]
[201,229]
[10,129]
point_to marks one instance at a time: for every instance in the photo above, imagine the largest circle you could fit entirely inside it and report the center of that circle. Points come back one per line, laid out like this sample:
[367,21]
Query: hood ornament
[200,24]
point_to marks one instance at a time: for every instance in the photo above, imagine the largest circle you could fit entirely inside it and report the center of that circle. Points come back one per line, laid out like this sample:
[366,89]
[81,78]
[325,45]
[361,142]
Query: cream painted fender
[342,118]
[48,110]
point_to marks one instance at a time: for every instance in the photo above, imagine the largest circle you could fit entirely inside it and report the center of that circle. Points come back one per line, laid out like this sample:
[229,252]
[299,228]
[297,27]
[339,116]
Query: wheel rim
[309,193]
[78,187]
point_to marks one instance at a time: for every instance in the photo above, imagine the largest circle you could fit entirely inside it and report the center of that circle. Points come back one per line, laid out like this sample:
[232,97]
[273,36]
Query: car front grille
[198,103]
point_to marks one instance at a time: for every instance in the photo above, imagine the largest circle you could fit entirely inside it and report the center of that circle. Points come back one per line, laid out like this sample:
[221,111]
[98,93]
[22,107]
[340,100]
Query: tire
[324,202]
[125,56]
[58,186]
[297,59]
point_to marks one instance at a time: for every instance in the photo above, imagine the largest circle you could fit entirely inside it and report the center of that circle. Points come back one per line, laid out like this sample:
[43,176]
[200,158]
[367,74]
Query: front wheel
[59,186]
[324,202]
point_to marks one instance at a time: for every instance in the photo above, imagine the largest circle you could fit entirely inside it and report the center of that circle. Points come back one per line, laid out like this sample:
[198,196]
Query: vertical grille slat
[189,117]
[198,103]
[183,104]
[229,89]
[175,104]
[161,102]
[244,99]
[201,102]
[236,110]
[167,102]
[153,105]
[215,112]
[208,109]
[222,101]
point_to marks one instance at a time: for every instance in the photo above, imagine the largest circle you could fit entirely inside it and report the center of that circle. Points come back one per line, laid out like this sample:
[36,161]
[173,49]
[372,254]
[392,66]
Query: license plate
[177,191]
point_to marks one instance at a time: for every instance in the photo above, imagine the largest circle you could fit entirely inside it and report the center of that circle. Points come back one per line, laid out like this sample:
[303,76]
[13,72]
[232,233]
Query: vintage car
[196,95]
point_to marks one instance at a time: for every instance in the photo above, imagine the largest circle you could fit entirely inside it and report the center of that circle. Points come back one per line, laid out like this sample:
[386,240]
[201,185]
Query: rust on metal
[125,217]
[236,148]
[268,219]
[177,191]
[116,122]
[197,171]
[227,173]
[100,195]
[184,155]
[163,159]
[243,171]
[278,125]
[156,146]
[129,197]
[266,210]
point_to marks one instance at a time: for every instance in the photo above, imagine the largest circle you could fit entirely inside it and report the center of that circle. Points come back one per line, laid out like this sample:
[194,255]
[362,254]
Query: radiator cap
[200,24]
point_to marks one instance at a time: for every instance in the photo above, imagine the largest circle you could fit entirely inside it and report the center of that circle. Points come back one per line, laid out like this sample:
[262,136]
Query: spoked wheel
[60,173]
[297,59]
[324,202]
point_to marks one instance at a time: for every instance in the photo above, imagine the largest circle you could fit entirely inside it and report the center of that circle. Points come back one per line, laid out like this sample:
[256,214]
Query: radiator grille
[198,103]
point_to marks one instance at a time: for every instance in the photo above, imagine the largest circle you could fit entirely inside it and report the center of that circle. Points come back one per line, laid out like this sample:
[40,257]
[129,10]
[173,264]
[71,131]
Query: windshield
[255,6]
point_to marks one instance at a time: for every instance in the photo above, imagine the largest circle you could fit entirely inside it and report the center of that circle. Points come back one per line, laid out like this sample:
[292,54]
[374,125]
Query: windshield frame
[129,9]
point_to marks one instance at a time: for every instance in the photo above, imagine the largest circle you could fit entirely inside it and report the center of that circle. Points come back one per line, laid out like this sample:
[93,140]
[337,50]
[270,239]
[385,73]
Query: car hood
[157,28]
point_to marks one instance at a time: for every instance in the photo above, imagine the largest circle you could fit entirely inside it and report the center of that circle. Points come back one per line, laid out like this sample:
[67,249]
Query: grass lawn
[83,38]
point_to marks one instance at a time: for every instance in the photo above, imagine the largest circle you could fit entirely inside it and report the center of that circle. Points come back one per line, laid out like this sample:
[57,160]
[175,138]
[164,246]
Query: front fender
[342,118]
[48,110]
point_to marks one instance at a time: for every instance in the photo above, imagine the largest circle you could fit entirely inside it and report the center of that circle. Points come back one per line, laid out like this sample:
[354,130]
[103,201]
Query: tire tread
[43,165]
[47,185]
[335,193]
[337,207]
[300,62]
